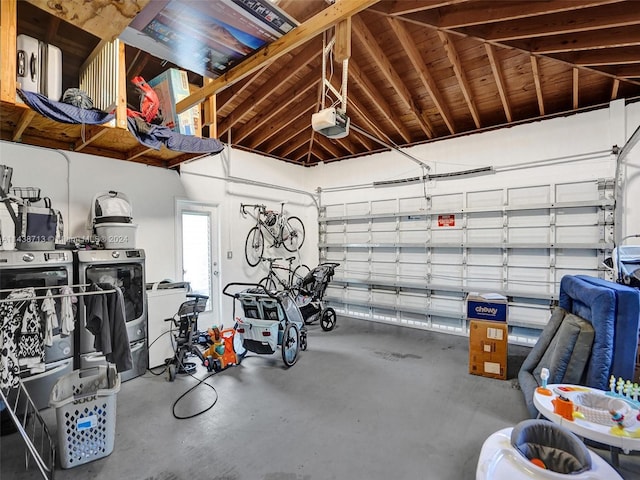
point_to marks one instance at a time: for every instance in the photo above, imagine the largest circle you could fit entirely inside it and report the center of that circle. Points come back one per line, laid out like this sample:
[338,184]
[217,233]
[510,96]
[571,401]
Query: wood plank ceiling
[423,70]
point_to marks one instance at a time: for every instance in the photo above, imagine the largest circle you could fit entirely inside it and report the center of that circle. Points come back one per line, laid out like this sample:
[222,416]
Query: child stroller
[309,300]
[267,320]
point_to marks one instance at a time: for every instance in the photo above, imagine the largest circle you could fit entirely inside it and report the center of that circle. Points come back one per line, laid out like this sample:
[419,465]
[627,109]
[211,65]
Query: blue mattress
[597,304]
[627,323]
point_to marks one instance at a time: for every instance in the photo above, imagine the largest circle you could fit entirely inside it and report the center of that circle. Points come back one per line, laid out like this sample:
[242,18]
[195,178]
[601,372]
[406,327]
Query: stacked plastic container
[112,220]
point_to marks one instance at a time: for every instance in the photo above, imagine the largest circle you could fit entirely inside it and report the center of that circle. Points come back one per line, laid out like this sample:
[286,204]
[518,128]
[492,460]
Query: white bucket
[117,235]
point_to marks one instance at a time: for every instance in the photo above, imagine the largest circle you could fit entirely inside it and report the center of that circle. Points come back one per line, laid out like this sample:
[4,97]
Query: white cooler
[163,301]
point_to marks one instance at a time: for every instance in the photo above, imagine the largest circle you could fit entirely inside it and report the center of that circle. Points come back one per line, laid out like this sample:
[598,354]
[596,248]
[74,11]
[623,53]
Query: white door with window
[198,255]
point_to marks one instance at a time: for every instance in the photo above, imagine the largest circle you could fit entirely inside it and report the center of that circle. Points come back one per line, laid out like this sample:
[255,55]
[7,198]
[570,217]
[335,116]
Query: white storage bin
[117,235]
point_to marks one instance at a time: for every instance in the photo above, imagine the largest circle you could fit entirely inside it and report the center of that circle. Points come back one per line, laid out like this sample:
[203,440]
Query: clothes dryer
[126,270]
[43,271]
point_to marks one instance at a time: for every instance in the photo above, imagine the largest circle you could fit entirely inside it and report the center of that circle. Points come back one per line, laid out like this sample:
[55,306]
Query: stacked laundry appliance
[120,267]
[37,320]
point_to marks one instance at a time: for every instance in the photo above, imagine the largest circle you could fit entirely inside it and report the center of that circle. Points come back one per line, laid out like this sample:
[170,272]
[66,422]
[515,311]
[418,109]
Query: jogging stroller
[309,300]
[267,320]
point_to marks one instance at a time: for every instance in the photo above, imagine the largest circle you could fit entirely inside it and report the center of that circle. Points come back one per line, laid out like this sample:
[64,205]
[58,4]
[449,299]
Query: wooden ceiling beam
[601,56]
[499,79]
[403,7]
[282,104]
[368,42]
[423,72]
[295,142]
[614,88]
[289,69]
[269,139]
[317,24]
[536,80]
[482,12]
[573,42]
[579,20]
[575,87]
[377,99]
[328,146]
[622,71]
[458,70]
[228,95]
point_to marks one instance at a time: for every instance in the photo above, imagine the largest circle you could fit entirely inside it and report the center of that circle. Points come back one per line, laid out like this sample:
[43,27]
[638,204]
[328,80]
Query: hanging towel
[9,327]
[31,339]
[50,317]
[106,321]
[67,311]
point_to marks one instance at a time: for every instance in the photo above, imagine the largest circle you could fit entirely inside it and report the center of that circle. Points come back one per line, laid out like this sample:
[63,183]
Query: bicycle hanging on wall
[281,230]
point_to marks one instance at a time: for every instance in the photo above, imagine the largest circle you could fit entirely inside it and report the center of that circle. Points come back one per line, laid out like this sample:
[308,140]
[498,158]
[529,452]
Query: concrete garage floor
[365,401]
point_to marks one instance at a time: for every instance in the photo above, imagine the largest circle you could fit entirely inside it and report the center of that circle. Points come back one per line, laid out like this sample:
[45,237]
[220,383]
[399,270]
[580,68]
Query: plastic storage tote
[85,403]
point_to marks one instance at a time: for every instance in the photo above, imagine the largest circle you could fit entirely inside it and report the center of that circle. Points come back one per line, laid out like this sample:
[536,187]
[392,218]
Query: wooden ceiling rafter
[458,70]
[621,40]
[283,102]
[498,76]
[489,11]
[421,69]
[377,99]
[288,70]
[535,68]
[268,139]
[368,42]
[558,23]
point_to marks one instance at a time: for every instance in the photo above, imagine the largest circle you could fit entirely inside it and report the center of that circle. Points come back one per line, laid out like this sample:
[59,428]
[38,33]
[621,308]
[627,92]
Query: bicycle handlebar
[243,206]
[243,284]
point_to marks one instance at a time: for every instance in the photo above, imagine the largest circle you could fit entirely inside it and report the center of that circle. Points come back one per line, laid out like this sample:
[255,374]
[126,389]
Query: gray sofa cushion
[564,347]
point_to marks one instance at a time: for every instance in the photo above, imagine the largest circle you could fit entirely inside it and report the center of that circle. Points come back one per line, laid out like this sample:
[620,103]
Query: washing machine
[125,269]
[42,270]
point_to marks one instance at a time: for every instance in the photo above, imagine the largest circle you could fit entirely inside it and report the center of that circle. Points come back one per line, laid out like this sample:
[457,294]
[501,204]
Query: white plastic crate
[85,403]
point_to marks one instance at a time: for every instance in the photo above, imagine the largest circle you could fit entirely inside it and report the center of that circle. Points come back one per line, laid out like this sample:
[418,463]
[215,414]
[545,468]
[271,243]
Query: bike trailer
[262,324]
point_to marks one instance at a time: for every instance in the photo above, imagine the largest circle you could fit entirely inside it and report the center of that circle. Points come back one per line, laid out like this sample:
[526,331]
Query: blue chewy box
[493,309]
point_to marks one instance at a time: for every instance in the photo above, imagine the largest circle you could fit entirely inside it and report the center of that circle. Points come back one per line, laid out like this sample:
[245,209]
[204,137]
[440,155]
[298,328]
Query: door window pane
[196,252]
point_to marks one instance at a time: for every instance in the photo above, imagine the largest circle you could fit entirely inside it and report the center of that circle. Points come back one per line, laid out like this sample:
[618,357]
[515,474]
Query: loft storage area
[159,46]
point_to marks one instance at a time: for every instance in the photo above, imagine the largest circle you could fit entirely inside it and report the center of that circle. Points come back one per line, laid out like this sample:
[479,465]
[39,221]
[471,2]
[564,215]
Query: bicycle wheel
[328,319]
[254,246]
[268,283]
[293,234]
[290,344]
[299,274]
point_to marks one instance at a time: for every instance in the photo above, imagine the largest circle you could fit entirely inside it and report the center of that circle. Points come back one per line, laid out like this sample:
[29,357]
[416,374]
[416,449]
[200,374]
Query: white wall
[71,180]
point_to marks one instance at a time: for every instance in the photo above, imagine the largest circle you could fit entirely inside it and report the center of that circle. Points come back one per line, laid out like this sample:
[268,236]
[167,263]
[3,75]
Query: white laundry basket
[85,403]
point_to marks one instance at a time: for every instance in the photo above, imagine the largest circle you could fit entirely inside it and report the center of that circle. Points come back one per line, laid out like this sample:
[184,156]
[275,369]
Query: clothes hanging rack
[57,295]
[78,285]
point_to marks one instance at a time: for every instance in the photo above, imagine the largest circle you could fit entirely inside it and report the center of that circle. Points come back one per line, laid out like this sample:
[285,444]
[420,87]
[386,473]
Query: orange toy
[538,463]
[221,353]
[563,407]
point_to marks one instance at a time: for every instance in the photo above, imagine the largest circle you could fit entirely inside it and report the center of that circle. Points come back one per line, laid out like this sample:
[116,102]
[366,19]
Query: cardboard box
[487,306]
[171,87]
[488,348]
